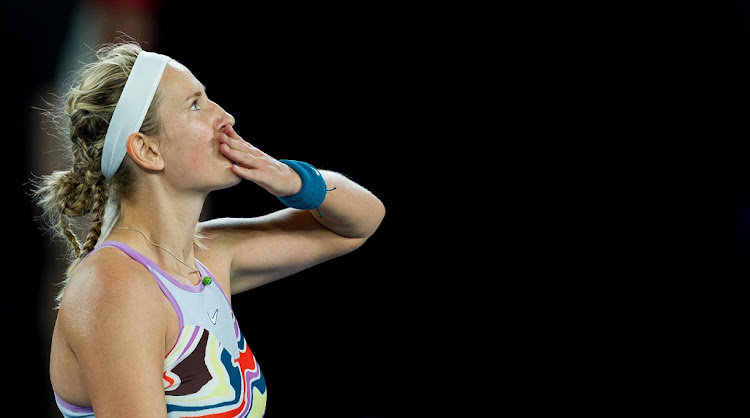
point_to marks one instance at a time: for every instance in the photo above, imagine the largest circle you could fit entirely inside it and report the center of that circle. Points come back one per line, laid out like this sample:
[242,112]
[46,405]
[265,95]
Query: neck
[169,220]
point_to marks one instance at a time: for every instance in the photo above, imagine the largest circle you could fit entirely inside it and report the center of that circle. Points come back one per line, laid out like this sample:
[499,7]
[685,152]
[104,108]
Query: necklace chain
[192,270]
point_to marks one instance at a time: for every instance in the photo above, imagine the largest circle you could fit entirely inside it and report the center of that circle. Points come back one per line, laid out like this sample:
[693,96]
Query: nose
[223,118]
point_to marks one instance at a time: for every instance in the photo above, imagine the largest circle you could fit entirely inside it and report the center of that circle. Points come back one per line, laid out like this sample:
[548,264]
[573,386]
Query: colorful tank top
[210,371]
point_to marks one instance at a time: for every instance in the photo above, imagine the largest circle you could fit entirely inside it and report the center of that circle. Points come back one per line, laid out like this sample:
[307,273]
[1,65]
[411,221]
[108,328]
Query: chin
[221,177]
[228,179]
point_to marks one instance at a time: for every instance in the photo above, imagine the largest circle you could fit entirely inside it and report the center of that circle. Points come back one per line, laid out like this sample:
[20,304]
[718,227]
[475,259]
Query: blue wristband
[313,190]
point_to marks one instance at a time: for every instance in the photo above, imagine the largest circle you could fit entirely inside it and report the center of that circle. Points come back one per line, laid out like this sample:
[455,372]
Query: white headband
[131,108]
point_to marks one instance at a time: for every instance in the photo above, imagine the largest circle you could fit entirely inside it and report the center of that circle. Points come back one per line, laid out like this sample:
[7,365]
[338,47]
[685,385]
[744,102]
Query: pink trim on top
[73,408]
[148,263]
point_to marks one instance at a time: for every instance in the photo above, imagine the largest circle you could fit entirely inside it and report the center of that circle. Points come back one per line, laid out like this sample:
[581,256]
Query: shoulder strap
[150,266]
[135,255]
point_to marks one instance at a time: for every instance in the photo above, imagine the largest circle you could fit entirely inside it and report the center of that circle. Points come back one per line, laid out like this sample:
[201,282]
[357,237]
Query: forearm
[349,210]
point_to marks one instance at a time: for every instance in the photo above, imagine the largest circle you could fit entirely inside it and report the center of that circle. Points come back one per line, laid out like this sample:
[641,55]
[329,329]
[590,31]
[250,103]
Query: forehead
[177,82]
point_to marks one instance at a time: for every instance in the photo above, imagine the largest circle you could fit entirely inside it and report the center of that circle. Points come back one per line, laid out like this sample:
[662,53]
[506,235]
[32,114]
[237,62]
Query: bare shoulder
[113,322]
[109,292]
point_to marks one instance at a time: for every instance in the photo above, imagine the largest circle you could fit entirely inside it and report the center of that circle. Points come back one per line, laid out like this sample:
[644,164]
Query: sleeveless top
[210,371]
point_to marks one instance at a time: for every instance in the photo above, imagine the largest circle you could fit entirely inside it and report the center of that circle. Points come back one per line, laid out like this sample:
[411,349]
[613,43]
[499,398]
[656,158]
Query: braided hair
[83,119]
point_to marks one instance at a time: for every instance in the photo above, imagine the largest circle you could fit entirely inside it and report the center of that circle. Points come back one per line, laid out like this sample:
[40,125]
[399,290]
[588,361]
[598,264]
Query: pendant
[206,281]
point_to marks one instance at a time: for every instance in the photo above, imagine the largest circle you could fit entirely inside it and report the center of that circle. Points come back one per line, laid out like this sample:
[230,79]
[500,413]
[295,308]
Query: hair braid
[88,107]
[64,224]
[99,199]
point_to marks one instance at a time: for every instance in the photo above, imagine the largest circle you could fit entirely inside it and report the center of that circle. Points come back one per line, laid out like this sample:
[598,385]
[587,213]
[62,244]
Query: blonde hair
[81,190]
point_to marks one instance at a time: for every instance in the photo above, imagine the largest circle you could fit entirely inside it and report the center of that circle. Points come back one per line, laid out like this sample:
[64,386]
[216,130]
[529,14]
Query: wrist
[312,191]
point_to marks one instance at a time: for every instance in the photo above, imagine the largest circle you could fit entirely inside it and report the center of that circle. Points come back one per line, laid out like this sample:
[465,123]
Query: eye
[195,106]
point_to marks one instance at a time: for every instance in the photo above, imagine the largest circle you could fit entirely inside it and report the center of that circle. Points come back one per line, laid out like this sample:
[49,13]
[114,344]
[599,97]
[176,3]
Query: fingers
[241,152]
[255,165]
[237,149]
[246,164]
[263,171]
[236,142]
[232,138]
[246,173]
[243,155]
[229,130]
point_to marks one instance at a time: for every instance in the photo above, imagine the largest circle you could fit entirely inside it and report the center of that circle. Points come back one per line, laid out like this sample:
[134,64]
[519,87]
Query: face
[189,140]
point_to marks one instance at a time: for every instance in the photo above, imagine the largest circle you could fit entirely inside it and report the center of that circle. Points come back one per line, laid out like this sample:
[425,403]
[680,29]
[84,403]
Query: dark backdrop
[725,113]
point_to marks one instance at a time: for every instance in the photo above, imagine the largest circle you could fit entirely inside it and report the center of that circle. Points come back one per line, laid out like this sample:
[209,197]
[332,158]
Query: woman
[144,328]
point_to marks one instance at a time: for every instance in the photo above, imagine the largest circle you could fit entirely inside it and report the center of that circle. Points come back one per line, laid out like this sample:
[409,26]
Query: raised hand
[255,165]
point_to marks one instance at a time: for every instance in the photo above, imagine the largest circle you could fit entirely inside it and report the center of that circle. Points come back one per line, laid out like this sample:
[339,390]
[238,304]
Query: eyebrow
[197,93]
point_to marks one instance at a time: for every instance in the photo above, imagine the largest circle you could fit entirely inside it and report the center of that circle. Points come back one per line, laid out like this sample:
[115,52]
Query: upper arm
[258,250]
[115,325]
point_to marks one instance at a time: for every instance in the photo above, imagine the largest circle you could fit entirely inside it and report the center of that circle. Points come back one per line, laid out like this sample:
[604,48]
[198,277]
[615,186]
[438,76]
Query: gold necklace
[206,280]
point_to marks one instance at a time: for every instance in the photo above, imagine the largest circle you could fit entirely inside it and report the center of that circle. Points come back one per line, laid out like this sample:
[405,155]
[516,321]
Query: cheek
[190,137]
[193,146]
[184,154]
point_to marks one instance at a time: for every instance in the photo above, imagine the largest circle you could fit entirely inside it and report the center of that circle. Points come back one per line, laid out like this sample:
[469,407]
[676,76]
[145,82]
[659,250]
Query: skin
[115,326]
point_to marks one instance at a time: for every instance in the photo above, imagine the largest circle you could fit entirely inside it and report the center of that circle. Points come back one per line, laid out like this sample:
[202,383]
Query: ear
[144,150]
